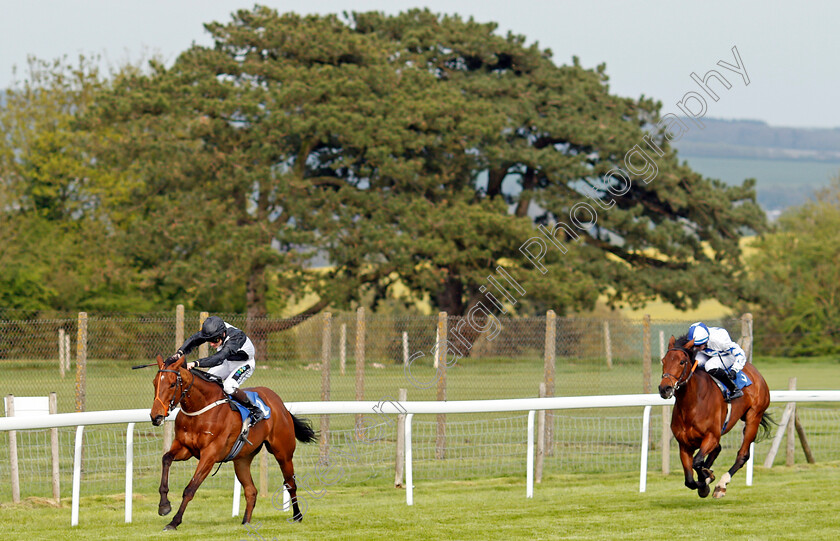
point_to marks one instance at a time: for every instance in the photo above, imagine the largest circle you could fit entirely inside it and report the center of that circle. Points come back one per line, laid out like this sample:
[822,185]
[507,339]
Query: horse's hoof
[703,491]
[169,527]
[298,517]
[719,492]
[164,510]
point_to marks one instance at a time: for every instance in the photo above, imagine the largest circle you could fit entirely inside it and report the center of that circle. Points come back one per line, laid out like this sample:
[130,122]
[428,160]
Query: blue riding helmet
[698,332]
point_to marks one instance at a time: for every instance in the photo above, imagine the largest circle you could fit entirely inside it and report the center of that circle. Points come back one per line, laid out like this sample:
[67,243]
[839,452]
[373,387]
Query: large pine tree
[417,147]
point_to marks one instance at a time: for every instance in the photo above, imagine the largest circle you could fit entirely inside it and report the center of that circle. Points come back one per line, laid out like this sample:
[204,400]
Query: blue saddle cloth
[741,380]
[255,398]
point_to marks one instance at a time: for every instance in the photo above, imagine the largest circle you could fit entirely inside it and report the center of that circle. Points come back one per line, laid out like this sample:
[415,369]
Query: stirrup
[246,427]
[732,395]
[255,415]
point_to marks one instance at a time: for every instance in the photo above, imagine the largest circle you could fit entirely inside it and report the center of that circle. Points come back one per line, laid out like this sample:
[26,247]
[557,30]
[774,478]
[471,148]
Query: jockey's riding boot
[256,413]
[723,376]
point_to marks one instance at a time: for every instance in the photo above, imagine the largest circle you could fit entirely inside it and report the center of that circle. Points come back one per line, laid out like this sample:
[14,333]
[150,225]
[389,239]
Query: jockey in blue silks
[719,355]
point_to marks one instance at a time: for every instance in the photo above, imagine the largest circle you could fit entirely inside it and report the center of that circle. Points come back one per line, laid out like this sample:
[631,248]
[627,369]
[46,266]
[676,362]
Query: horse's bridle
[679,381]
[184,391]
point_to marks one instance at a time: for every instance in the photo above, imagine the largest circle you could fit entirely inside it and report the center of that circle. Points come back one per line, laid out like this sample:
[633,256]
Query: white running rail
[531,405]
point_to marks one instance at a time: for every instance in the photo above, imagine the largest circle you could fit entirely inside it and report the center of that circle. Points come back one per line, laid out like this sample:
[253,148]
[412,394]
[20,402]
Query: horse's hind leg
[242,467]
[711,458]
[289,483]
[176,452]
[750,431]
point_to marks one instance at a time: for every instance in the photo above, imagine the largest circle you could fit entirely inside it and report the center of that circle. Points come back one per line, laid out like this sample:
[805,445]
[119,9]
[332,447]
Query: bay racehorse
[701,415]
[207,428]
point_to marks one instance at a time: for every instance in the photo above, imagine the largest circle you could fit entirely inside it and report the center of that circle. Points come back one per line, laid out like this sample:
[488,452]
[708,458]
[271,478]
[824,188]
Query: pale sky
[651,47]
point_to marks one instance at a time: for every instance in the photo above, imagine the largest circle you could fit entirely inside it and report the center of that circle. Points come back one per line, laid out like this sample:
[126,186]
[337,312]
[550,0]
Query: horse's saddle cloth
[255,398]
[741,380]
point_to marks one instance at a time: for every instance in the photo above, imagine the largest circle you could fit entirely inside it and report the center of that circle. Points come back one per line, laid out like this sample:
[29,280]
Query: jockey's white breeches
[233,373]
[715,361]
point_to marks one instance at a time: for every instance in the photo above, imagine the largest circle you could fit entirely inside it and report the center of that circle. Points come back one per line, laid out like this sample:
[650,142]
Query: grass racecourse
[783,503]
[799,502]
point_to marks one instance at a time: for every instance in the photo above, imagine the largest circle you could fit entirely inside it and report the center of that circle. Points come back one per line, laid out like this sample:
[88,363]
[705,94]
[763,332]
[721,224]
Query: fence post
[777,440]
[540,439]
[661,344]
[67,352]
[803,440]
[666,420]
[13,456]
[179,326]
[264,473]
[747,335]
[646,354]
[791,428]
[440,354]
[666,440]
[399,465]
[203,348]
[342,349]
[61,352]
[81,362]
[360,363]
[54,450]
[550,355]
[608,344]
[405,348]
[437,349]
[326,341]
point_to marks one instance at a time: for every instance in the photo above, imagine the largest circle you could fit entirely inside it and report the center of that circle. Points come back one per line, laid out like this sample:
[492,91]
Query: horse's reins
[678,381]
[183,394]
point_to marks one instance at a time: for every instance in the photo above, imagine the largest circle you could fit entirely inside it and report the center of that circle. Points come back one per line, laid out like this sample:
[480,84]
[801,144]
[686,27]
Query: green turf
[784,503]
[593,441]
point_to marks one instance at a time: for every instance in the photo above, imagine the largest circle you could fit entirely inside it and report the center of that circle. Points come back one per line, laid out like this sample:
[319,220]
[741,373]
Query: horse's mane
[210,378]
[681,342]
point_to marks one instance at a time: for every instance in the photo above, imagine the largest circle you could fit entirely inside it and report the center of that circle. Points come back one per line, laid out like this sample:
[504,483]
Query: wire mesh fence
[477,446]
[367,357]
[587,356]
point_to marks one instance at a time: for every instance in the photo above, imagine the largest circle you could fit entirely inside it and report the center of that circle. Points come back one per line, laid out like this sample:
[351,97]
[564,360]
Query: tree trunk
[450,296]
[529,180]
[256,311]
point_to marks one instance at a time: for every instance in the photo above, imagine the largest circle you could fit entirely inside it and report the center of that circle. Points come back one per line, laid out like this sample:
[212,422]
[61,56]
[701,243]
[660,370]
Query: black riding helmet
[213,328]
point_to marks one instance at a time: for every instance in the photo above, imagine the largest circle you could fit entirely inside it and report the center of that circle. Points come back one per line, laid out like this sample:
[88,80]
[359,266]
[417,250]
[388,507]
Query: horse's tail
[766,426]
[303,430]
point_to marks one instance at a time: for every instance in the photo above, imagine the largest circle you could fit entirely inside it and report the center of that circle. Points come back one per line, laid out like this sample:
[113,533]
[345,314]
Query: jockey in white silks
[719,355]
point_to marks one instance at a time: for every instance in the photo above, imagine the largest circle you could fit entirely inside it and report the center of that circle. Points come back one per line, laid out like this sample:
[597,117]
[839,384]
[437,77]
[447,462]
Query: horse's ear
[159,360]
[671,342]
[690,344]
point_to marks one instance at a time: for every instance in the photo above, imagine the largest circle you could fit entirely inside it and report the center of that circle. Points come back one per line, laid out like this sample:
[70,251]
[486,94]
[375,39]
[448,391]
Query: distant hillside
[789,164]
[755,139]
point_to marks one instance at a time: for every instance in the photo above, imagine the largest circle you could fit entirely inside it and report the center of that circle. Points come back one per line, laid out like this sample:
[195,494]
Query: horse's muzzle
[157,420]
[666,391]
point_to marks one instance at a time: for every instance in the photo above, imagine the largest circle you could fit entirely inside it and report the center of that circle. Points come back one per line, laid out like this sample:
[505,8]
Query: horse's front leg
[176,452]
[205,464]
[712,457]
[709,449]
[688,466]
